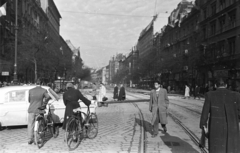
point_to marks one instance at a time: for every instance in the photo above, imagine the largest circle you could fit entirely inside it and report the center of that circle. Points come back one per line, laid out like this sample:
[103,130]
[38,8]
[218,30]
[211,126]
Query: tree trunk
[35,65]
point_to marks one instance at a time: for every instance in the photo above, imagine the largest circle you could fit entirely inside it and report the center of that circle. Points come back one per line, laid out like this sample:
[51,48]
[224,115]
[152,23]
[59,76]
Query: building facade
[38,40]
[220,37]
[177,55]
[114,66]
[32,25]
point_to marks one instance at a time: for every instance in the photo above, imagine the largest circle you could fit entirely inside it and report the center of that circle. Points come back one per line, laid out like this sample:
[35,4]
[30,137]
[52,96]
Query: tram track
[193,137]
[189,109]
[143,134]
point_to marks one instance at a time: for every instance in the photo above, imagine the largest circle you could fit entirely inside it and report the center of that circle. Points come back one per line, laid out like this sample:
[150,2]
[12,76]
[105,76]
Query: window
[204,13]
[231,2]
[222,4]
[204,33]
[231,44]
[15,96]
[212,50]
[213,8]
[222,24]
[221,50]
[232,19]
[213,28]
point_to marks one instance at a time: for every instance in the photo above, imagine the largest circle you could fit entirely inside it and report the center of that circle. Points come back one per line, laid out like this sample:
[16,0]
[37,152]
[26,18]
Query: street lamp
[16,32]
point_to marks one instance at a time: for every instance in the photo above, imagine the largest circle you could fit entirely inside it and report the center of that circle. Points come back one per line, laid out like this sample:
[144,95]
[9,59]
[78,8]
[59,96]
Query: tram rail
[193,137]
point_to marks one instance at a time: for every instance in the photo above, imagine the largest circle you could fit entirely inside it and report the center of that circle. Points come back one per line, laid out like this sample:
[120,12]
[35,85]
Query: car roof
[27,87]
[6,89]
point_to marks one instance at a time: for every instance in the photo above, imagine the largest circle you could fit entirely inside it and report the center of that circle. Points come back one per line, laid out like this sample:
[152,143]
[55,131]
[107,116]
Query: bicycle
[44,124]
[79,125]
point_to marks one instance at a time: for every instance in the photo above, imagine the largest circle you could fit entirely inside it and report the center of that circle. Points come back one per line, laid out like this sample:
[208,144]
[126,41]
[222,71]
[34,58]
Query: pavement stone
[175,140]
[117,133]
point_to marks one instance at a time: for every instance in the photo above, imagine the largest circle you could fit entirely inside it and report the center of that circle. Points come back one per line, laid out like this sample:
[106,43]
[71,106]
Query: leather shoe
[165,129]
[30,142]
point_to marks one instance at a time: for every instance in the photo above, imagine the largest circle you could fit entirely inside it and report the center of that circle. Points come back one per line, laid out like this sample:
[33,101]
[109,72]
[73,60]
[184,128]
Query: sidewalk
[147,92]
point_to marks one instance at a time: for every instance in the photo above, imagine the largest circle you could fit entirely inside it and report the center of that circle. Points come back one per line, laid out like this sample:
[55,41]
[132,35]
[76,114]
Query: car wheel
[0,126]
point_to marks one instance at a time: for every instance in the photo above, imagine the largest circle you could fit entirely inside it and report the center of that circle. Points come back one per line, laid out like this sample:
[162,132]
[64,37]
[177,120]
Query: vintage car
[14,105]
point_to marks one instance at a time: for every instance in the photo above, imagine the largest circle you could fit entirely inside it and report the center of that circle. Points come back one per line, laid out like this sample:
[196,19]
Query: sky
[103,28]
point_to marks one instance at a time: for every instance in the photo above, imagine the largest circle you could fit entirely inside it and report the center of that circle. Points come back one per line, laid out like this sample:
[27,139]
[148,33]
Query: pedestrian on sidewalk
[220,116]
[158,105]
[169,89]
[115,92]
[122,93]
[187,90]
[196,92]
[36,100]
[102,92]
[94,91]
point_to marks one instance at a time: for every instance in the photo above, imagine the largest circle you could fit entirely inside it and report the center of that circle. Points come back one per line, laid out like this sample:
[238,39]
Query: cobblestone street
[117,133]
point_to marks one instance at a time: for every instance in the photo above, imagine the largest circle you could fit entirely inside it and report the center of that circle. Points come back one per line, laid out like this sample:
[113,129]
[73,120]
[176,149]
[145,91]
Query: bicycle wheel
[53,128]
[92,129]
[39,133]
[73,133]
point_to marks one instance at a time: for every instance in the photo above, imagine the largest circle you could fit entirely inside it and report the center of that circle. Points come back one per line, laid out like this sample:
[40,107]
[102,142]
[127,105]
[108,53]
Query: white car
[14,105]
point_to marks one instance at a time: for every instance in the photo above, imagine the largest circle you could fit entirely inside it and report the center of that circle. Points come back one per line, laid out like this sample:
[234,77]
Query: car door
[15,108]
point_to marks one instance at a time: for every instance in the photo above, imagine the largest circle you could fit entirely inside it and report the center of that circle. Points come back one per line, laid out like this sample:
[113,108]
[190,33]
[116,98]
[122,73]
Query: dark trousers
[156,124]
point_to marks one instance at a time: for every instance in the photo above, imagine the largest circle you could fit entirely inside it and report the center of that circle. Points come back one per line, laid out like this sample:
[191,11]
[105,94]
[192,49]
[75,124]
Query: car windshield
[55,96]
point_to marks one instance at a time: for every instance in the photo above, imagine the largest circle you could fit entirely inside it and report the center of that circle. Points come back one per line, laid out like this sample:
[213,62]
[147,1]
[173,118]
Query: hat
[52,107]
[69,85]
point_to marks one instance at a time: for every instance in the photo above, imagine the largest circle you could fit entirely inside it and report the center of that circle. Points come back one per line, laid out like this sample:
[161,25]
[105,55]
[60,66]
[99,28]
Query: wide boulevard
[124,127]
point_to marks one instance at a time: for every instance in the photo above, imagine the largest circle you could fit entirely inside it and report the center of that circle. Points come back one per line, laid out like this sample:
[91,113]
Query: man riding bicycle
[70,99]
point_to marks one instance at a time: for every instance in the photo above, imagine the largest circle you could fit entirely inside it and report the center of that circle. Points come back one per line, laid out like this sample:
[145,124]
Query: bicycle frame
[79,116]
[46,119]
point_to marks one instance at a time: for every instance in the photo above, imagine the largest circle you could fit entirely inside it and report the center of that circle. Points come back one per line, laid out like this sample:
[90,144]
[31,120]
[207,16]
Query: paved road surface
[119,132]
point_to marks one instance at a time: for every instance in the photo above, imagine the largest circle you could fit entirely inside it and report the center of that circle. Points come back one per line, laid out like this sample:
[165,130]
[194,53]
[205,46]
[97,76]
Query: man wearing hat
[70,99]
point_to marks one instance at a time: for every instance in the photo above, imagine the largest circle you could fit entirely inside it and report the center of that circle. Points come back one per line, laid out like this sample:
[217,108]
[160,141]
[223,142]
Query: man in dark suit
[36,96]
[115,92]
[70,99]
[122,93]
[158,105]
[220,115]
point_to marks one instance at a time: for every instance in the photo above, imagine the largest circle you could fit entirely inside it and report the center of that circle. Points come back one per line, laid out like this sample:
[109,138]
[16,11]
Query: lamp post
[16,34]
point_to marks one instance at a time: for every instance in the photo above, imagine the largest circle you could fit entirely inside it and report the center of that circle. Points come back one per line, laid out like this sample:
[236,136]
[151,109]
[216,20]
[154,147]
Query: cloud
[102,36]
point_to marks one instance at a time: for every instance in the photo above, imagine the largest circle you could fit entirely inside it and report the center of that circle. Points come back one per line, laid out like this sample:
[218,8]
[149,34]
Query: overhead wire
[109,14]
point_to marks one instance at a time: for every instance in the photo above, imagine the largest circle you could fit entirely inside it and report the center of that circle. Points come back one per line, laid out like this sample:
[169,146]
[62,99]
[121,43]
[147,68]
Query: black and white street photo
[119,76]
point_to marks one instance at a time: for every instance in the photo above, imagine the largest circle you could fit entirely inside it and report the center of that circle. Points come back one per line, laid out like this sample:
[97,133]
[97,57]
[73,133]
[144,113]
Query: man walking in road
[220,115]
[122,93]
[196,92]
[158,105]
[115,92]
[36,96]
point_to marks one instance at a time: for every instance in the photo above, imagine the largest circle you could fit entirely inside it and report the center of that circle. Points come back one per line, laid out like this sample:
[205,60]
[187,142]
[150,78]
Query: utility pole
[16,39]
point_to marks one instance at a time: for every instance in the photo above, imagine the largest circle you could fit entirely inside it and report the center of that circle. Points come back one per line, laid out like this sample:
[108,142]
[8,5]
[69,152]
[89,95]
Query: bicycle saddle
[77,110]
[42,107]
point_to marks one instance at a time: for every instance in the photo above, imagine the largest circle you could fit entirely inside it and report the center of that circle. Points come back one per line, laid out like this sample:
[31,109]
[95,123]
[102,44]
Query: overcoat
[122,94]
[70,99]
[187,90]
[222,123]
[160,103]
[102,93]
[115,93]
[36,99]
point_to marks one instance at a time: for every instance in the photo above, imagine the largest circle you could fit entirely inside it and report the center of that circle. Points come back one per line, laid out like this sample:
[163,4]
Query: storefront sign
[5,73]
